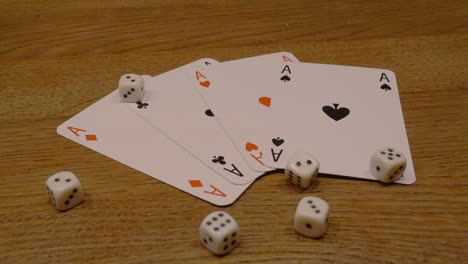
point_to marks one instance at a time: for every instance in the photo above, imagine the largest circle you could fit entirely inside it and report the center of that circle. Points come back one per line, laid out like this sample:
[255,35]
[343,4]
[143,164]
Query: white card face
[112,129]
[342,115]
[239,94]
[178,111]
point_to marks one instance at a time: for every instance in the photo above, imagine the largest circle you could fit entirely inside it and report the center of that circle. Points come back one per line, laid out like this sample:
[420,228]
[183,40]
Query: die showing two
[302,169]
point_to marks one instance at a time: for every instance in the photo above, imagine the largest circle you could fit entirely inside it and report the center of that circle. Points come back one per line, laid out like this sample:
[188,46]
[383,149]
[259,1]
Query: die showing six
[219,232]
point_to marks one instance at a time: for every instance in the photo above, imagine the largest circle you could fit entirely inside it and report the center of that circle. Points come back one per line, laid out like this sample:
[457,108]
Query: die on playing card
[131,88]
[219,232]
[387,164]
[311,218]
[65,191]
[302,169]
[177,100]
[148,150]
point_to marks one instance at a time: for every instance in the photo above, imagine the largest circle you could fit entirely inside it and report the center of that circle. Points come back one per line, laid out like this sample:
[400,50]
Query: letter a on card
[75,130]
[216,191]
[88,137]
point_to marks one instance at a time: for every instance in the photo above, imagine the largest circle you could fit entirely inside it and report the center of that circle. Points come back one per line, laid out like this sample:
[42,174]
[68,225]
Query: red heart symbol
[250,146]
[266,101]
[205,84]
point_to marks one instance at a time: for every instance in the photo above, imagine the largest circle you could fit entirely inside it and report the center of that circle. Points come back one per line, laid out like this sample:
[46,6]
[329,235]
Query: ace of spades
[342,115]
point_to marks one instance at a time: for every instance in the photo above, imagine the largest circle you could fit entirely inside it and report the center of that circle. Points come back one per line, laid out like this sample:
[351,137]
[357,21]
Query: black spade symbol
[207,63]
[277,141]
[209,113]
[336,113]
[385,87]
[285,78]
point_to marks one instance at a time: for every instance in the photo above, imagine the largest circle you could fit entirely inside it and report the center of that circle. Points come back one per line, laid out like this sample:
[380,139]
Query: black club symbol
[219,159]
[142,105]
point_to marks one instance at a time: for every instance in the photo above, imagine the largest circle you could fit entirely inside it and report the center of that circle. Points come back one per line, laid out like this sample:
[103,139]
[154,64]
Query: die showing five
[387,164]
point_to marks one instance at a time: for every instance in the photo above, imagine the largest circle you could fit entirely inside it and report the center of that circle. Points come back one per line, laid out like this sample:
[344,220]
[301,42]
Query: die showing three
[131,88]
[64,189]
[311,217]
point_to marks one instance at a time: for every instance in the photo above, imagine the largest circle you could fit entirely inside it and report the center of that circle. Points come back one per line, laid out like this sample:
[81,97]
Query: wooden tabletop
[58,57]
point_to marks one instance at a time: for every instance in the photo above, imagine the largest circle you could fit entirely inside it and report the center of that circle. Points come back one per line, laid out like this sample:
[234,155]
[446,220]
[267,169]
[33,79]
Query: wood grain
[58,57]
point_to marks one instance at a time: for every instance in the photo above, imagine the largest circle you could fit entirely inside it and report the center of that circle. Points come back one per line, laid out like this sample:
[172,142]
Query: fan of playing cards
[210,128]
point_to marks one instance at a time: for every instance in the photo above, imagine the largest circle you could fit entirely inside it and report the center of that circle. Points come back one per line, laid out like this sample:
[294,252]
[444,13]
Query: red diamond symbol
[91,137]
[195,183]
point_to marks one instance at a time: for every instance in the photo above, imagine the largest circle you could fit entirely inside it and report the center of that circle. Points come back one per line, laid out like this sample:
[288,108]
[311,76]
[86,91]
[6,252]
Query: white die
[302,169]
[131,88]
[387,164]
[219,232]
[64,190]
[311,218]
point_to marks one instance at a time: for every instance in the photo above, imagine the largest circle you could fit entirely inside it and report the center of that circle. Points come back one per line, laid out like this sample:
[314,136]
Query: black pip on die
[131,88]
[64,190]
[302,169]
[311,218]
[219,232]
[387,164]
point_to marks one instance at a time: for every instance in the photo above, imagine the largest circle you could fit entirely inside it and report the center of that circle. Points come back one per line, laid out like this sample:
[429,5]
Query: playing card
[178,111]
[112,129]
[241,94]
[342,115]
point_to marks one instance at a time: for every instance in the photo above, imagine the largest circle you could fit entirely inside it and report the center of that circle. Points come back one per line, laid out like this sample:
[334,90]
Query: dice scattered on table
[387,164]
[302,169]
[131,88]
[65,191]
[311,218]
[219,232]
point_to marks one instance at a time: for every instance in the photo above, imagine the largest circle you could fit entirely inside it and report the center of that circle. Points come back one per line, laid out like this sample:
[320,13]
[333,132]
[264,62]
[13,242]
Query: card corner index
[61,129]
[388,71]
[288,56]
[225,201]
[58,129]
[209,60]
